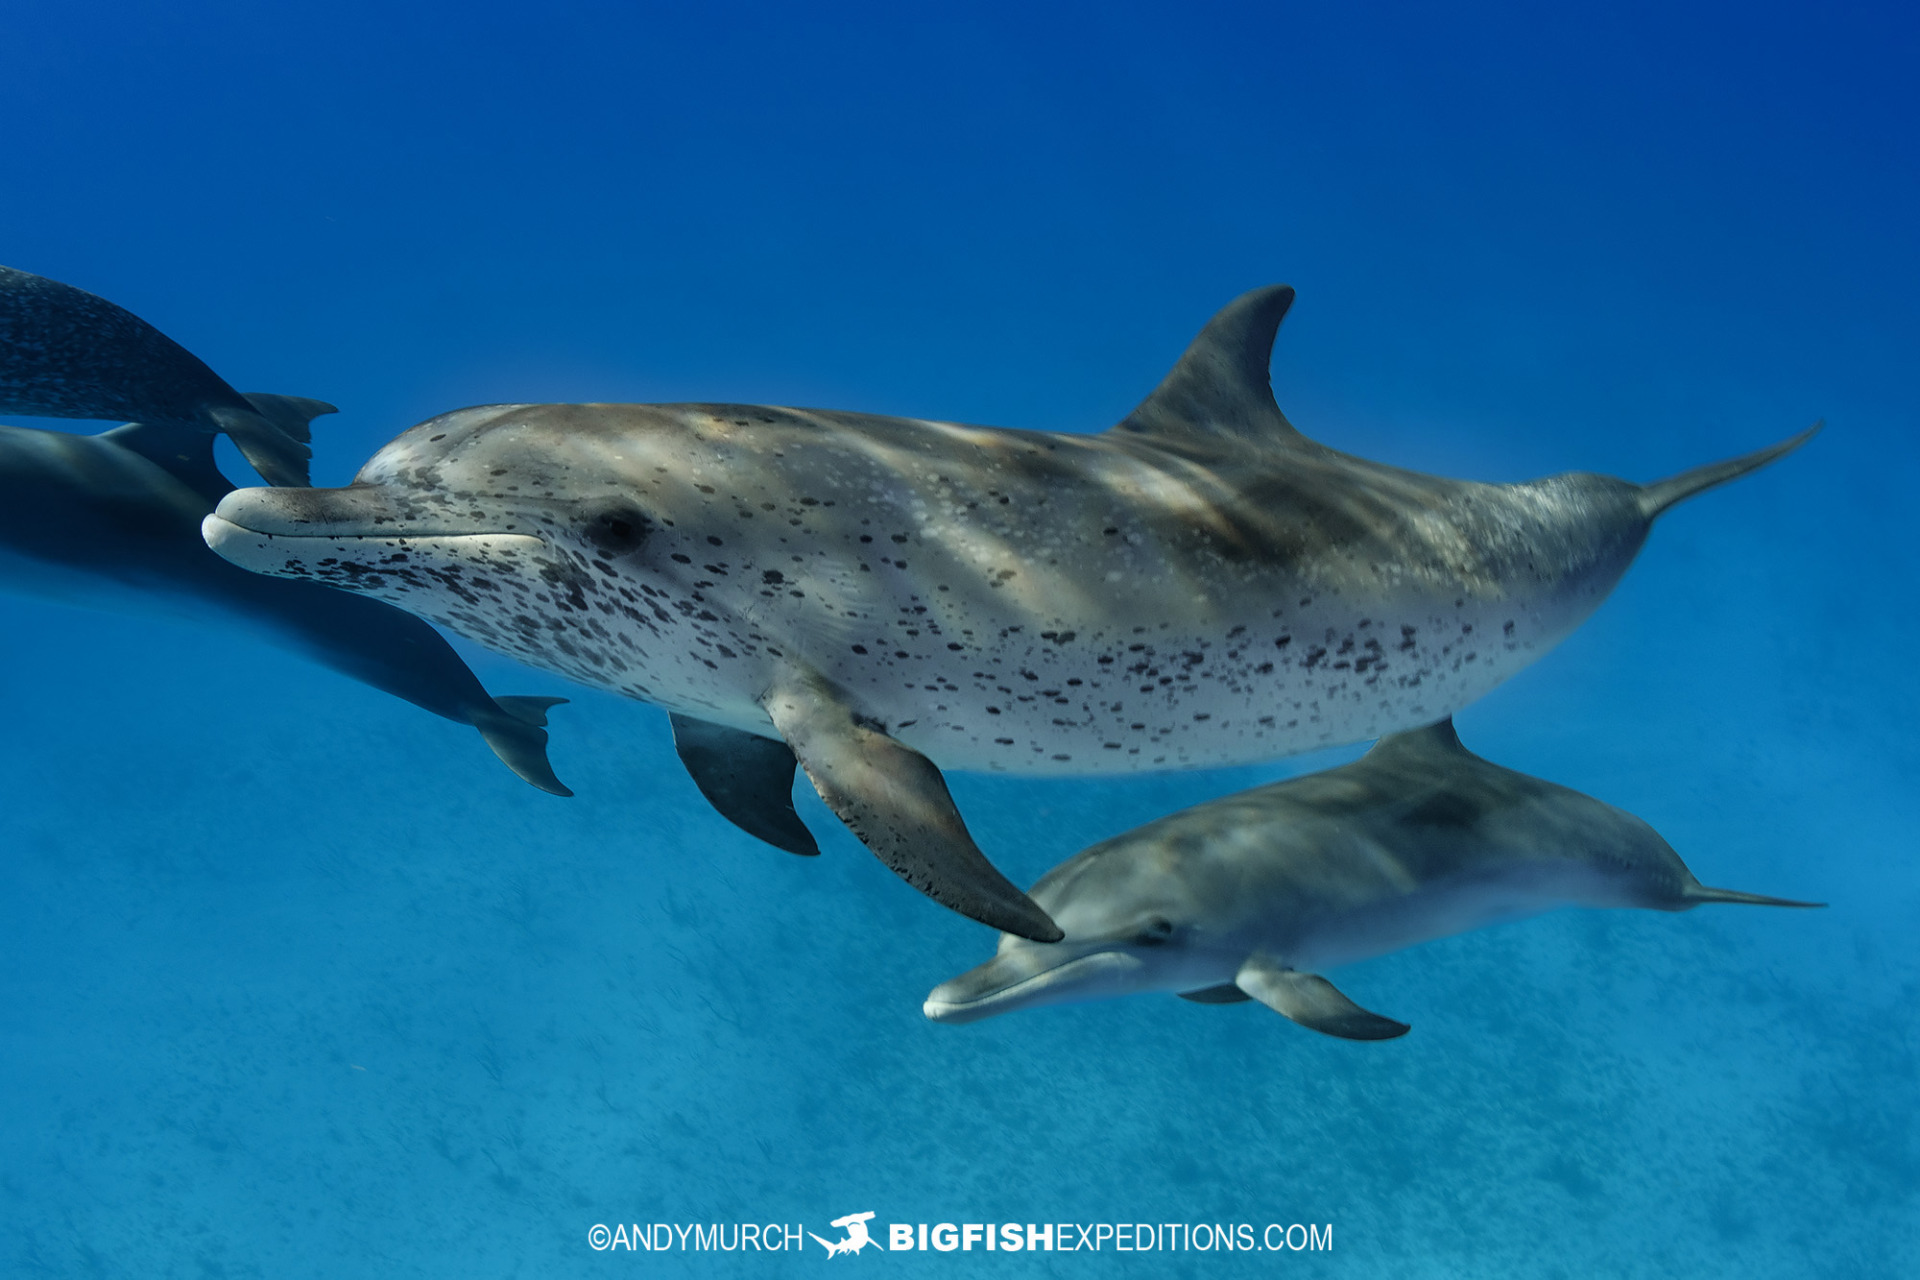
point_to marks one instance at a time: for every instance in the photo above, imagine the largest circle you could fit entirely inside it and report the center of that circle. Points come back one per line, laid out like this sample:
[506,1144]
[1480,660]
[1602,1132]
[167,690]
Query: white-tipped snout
[356,562]
[1031,975]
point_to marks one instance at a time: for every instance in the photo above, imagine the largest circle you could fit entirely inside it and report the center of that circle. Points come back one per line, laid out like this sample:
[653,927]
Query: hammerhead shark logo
[857,1237]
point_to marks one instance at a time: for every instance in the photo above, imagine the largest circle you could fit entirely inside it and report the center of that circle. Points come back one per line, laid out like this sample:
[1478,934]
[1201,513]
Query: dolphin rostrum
[883,597]
[1249,896]
[114,519]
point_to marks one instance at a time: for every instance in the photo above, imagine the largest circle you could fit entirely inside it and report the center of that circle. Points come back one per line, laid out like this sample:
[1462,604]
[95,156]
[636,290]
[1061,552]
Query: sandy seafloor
[296,981]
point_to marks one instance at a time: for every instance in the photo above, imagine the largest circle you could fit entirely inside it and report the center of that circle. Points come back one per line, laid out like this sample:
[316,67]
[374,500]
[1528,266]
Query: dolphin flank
[1247,897]
[876,599]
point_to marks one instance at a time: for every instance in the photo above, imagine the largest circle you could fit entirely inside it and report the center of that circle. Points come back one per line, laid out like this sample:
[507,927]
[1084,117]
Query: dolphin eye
[618,529]
[1155,933]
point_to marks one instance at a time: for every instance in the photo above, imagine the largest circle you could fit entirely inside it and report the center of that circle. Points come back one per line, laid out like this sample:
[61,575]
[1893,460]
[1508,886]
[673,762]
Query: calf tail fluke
[1658,496]
[293,415]
[517,733]
[65,353]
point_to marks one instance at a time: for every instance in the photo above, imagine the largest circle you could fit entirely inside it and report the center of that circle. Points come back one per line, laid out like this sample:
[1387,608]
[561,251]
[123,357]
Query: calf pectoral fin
[749,779]
[1225,993]
[896,802]
[1313,1002]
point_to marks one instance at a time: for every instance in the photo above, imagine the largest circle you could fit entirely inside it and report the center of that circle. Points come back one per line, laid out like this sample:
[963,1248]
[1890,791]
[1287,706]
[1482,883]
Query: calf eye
[618,529]
[1155,934]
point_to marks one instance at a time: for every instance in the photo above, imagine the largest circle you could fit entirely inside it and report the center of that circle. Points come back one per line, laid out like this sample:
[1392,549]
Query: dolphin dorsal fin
[186,453]
[1437,739]
[1221,388]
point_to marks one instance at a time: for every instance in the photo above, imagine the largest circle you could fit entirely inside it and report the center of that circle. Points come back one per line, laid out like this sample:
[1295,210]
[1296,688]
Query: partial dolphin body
[114,519]
[883,597]
[1249,896]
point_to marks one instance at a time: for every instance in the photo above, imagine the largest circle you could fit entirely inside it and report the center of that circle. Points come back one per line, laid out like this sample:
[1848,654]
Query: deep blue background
[296,981]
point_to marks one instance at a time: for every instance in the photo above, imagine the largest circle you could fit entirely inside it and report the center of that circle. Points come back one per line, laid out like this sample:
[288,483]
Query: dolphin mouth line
[987,1004]
[224,525]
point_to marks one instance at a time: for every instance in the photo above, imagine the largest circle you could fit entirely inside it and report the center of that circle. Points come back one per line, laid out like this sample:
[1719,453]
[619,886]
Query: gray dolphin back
[65,353]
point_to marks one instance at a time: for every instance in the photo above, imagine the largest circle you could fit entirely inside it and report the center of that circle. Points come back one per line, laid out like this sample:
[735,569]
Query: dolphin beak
[1024,977]
[360,511]
[335,535]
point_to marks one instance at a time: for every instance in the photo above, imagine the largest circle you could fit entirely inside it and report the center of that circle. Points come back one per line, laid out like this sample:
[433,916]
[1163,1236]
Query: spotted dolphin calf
[113,520]
[880,598]
[1248,897]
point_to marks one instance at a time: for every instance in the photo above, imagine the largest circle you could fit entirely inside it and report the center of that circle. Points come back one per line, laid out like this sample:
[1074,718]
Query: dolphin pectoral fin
[894,799]
[1699,893]
[516,730]
[1313,1002]
[1225,993]
[748,778]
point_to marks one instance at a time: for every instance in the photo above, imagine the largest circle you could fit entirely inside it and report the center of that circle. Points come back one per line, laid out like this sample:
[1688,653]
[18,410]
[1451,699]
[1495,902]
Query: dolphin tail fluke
[293,415]
[65,353]
[1705,893]
[1662,494]
[280,459]
[516,730]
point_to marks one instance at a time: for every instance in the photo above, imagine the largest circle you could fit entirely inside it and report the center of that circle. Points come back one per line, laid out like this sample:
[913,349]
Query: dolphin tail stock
[516,730]
[1657,497]
[1697,894]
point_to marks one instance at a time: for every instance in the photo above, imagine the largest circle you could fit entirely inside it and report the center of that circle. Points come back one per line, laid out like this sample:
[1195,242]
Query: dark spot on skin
[773,577]
[860,649]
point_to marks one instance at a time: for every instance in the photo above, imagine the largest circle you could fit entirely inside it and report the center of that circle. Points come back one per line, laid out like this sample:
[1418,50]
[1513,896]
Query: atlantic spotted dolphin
[1248,897]
[113,520]
[883,597]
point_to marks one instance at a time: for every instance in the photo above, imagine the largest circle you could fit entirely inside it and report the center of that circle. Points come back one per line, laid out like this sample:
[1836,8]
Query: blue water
[296,981]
